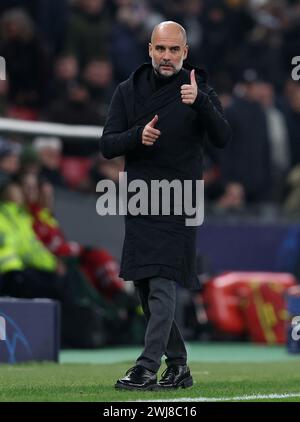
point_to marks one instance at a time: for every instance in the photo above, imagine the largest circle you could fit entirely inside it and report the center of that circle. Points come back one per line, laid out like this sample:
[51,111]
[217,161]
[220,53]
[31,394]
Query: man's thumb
[193,77]
[154,121]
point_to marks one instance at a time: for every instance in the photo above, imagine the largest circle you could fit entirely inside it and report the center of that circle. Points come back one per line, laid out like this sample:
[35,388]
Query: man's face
[30,188]
[167,51]
[10,164]
[14,194]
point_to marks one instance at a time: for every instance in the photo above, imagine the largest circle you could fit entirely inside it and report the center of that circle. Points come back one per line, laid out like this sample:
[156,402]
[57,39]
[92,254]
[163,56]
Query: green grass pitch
[94,382]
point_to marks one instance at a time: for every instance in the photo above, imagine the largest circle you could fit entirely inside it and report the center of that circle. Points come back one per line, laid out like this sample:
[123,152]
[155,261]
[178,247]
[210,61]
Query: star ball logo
[296,69]
[296,328]
[2,69]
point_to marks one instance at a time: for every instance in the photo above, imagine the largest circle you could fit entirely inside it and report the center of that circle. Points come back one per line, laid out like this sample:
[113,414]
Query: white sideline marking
[236,398]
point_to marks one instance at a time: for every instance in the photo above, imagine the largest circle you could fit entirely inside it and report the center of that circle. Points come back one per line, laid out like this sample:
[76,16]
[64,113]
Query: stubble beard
[157,69]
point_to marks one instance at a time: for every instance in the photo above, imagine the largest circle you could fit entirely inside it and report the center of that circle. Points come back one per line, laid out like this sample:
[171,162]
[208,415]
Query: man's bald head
[168,48]
[169,28]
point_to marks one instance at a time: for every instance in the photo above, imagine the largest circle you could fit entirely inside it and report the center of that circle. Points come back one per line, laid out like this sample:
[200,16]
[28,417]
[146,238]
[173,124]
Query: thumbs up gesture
[150,134]
[189,92]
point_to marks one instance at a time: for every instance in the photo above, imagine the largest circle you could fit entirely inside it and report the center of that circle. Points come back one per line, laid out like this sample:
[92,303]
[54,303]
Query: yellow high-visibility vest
[19,246]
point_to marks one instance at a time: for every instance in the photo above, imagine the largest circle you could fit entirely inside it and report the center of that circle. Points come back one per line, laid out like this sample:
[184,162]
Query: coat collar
[146,102]
[201,74]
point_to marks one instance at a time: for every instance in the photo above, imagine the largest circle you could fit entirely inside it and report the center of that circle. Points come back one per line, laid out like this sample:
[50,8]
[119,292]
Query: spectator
[233,198]
[216,35]
[100,268]
[247,158]
[293,120]
[51,17]
[27,63]
[262,49]
[103,169]
[292,200]
[291,36]
[49,152]
[95,267]
[88,31]
[278,136]
[66,72]
[98,78]
[127,38]
[9,157]
[190,15]
[76,109]
[27,269]
[29,161]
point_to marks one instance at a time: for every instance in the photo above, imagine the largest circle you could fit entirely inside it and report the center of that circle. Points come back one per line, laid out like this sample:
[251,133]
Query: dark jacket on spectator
[28,65]
[87,36]
[293,123]
[247,159]
[68,112]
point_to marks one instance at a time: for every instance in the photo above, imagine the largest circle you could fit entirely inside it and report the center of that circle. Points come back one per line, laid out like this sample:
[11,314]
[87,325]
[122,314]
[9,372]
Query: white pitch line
[237,398]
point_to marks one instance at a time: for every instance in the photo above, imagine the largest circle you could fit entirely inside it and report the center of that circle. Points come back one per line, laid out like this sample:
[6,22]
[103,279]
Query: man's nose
[167,55]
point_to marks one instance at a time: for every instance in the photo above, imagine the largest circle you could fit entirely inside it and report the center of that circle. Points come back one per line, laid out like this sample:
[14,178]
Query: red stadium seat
[75,170]
[22,112]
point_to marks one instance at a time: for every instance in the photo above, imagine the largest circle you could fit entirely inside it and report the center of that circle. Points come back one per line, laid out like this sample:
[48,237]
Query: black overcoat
[162,245]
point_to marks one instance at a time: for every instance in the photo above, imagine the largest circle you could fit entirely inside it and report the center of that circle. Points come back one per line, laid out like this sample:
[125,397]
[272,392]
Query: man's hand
[189,92]
[150,134]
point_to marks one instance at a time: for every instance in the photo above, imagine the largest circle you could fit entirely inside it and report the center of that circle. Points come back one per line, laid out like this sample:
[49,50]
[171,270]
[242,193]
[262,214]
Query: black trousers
[162,337]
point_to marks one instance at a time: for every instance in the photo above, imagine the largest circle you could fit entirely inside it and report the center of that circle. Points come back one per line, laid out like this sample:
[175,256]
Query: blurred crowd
[36,260]
[65,57]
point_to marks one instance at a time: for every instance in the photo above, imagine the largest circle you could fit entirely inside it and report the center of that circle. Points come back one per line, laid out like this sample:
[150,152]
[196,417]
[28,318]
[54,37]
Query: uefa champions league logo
[13,337]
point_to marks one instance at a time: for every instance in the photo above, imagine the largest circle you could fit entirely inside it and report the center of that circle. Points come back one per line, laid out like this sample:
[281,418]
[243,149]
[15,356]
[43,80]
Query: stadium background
[63,62]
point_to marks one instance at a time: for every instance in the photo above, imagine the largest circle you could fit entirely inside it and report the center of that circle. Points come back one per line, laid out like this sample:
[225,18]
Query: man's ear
[150,49]
[185,52]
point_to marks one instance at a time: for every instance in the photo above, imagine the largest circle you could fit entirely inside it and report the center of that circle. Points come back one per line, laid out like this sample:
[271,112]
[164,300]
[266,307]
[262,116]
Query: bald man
[158,119]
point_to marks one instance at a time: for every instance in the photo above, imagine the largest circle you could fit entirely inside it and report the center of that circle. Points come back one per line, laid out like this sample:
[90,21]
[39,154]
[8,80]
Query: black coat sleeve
[208,106]
[117,139]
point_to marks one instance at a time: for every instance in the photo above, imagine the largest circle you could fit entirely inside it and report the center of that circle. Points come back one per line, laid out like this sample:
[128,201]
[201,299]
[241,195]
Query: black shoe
[138,378]
[176,376]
